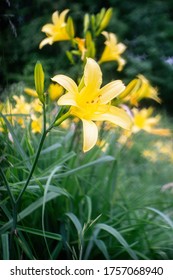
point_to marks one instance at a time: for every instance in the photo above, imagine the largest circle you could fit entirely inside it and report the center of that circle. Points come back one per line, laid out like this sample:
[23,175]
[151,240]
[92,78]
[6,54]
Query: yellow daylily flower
[36,106]
[55,91]
[36,124]
[113,50]
[138,89]
[89,102]
[21,108]
[143,121]
[55,31]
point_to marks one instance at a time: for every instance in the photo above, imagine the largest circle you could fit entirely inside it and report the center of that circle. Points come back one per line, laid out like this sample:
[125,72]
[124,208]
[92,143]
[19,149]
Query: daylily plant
[55,31]
[90,102]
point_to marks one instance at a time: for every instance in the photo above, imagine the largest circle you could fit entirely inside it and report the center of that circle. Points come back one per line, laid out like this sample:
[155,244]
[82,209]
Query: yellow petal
[121,62]
[62,16]
[67,99]
[115,115]
[106,34]
[161,131]
[66,82]
[45,42]
[110,91]
[112,39]
[92,75]
[55,18]
[48,28]
[90,135]
[121,47]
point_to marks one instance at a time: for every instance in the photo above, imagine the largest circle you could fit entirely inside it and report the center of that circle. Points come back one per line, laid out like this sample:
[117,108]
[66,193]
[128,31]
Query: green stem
[44,133]
[33,166]
[61,119]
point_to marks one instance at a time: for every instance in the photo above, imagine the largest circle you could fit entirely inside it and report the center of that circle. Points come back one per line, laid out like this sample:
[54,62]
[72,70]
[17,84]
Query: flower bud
[106,19]
[70,28]
[39,81]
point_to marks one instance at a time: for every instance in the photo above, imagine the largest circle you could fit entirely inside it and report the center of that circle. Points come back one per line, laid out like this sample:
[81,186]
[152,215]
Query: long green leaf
[119,237]
[76,222]
[102,247]
[24,245]
[58,192]
[162,215]
[51,148]
[28,210]
[39,232]
[16,142]
[75,170]
[5,246]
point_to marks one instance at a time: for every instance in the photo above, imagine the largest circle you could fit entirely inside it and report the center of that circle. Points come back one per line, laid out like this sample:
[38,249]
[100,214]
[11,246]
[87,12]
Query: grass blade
[5,246]
[28,210]
[24,245]
[76,222]
[162,215]
[119,237]
[102,247]
[39,232]
[16,142]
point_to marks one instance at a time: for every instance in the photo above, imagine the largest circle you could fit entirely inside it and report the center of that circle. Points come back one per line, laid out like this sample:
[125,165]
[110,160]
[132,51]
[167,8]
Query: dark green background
[146,27]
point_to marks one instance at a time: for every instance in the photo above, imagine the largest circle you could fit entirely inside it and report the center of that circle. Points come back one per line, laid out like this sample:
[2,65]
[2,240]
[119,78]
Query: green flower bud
[70,28]
[39,81]
[106,19]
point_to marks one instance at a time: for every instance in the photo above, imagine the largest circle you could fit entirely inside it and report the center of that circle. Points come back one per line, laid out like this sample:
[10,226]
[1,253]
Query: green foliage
[102,205]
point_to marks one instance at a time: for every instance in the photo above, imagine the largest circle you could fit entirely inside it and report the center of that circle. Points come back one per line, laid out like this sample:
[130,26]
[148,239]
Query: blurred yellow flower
[143,121]
[165,148]
[36,124]
[55,31]
[55,91]
[113,50]
[30,92]
[150,155]
[161,151]
[103,145]
[91,103]
[138,89]
[36,106]
[5,109]
[22,108]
